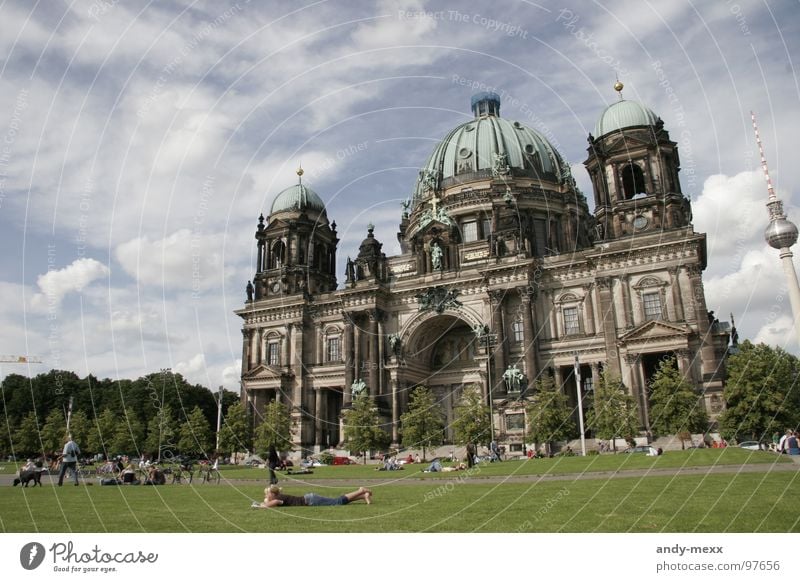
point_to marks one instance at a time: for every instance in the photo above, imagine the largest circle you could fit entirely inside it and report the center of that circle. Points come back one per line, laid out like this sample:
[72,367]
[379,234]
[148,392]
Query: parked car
[750,445]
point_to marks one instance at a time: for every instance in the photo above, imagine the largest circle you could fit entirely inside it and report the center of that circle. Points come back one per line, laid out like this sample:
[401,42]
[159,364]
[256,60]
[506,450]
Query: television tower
[781,234]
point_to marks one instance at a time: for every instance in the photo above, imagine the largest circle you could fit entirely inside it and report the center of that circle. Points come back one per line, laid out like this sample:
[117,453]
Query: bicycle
[209,474]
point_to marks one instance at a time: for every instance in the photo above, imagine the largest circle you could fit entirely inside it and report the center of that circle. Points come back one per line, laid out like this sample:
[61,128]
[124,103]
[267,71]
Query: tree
[235,432]
[128,434]
[549,415]
[101,433]
[161,433]
[362,431]
[195,434]
[613,411]
[761,393]
[275,429]
[472,422]
[53,431]
[423,424]
[26,437]
[80,427]
[675,408]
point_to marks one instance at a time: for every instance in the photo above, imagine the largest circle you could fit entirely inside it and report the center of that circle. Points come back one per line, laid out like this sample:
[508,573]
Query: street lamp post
[580,403]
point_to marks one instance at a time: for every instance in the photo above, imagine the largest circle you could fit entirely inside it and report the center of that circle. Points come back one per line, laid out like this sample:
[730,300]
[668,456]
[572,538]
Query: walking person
[69,460]
[470,455]
[273,462]
[792,445]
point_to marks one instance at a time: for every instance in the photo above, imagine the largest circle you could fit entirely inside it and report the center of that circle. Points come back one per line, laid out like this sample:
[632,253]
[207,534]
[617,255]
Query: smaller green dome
[623,114]
[298,197]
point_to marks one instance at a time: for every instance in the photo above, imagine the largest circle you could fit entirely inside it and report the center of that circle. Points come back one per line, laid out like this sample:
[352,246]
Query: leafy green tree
[128,434]
[80,427]
[26,437]
[235,432]
[162,433]
[195,434]
[53,431]
[101,433]
[675,408]
[549,415]
[761,393]
[613,411]
[423,424]
[275,429]
[362,431]
[472,422]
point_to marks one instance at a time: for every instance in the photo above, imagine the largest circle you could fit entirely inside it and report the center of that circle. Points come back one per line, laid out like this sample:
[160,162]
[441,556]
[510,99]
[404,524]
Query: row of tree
[161,413]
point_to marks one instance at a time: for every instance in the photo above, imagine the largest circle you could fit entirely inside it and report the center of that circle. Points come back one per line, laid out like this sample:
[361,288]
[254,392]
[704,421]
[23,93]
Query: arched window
[278,255]
[632,181]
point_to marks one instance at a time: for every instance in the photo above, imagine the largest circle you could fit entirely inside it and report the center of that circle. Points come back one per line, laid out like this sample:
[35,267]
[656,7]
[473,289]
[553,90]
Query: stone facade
[502,266]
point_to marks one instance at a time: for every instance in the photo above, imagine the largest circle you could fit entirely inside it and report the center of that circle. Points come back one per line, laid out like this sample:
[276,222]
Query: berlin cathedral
[503,275]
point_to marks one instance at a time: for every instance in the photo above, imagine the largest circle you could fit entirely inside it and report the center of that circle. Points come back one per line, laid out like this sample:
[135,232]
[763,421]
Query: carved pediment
[625,143]
[655,330]
[262,372]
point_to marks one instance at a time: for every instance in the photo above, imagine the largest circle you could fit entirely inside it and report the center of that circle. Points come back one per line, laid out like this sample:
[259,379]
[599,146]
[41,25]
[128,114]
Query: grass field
[746,502]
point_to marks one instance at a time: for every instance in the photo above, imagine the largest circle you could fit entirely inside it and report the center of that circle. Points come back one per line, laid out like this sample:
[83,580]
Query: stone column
[558,377]
[374,343]
[531,349]
[595,375]
[638,391]
[349,362]
[319,344]
[608,326]
[254,348]
[395,411]
[588,309]
[285,347]
[684,364]
[551,307]
[381,339]
[707,356]
[677,300]
[318,417]
[626,300]
[496,299]
[245,351]
[297,364]
[260,259]
[358,373]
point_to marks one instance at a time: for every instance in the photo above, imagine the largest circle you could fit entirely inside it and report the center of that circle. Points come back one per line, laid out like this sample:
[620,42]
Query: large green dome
[298,197]
[624,114]
[472,149]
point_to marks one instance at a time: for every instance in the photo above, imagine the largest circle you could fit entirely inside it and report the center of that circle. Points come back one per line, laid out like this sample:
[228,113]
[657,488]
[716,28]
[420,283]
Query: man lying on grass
[274,498]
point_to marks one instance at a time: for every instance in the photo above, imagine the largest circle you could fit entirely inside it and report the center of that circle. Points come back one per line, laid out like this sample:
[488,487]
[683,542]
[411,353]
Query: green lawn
[558,465]
[747,502]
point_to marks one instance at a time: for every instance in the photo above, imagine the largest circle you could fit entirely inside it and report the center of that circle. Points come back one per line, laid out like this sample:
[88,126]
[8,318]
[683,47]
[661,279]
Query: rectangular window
[515,421]
[273,354]
[652,306]
[518,331]
[334,353]
[470,231]
[571,322]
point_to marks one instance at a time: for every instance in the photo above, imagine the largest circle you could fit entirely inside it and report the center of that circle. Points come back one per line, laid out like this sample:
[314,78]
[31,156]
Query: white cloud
[57,283]
[182,260]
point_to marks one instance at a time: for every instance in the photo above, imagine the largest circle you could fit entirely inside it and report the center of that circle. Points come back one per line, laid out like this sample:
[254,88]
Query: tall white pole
[580,403]
[219,416]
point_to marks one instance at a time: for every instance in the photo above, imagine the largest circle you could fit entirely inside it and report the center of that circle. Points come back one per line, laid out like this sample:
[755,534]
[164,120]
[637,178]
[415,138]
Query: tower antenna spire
[770,189]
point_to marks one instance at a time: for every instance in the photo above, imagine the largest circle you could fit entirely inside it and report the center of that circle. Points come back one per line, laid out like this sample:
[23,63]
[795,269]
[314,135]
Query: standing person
[470,455]
[273,462]
[69,460]
[792,445]
[782,442]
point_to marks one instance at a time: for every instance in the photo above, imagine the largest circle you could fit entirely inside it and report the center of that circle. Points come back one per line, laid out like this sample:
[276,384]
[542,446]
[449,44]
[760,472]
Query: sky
[139,141]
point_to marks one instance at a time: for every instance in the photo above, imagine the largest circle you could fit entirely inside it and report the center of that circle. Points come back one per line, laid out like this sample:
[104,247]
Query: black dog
[26,477]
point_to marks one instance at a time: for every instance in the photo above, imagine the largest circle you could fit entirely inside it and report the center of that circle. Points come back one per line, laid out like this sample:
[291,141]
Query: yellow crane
[19,360]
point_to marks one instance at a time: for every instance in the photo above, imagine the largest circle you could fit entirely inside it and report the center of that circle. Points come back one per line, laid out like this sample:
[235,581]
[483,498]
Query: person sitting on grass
[155,476]
[274,498]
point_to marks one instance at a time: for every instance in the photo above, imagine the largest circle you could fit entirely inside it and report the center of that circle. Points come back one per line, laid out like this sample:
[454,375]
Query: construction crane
[20,360]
